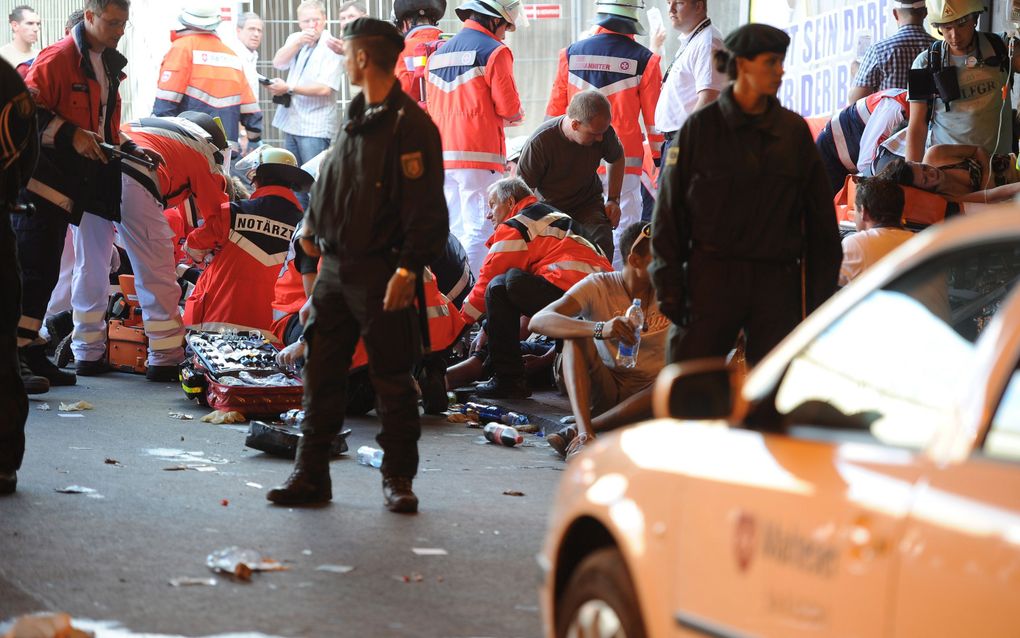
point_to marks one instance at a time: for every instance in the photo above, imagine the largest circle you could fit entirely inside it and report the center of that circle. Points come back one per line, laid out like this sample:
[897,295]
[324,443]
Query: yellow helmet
[944,11]
[278,163]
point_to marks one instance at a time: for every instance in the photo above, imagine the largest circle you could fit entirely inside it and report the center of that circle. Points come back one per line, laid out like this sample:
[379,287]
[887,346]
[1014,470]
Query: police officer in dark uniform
[744,231]
[19,151]
[378,216]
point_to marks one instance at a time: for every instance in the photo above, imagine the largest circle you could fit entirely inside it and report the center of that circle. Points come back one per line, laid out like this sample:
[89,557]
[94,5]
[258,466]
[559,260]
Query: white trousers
[148,240]
[467,200]
[630,211]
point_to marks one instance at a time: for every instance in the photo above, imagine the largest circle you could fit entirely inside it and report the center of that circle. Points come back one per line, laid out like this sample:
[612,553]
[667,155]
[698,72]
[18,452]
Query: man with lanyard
[632,87]
[377,217]
[691,81]
[308,118]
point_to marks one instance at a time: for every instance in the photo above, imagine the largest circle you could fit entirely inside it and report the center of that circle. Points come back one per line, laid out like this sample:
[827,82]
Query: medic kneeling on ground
[249,240]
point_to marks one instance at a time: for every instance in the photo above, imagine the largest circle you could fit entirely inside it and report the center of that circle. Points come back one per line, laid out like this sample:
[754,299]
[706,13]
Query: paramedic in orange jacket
[201,73]
[471,96]
[78,107]
[628,74]
[418,20]
[534,257]
[250,240]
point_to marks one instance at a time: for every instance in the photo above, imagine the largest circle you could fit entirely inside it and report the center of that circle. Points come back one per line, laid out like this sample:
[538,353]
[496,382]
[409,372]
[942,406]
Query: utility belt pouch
[947,84]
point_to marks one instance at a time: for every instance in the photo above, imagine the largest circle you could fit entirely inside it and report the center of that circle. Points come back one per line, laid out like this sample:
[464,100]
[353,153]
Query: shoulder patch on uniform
[412,164]
[671,155]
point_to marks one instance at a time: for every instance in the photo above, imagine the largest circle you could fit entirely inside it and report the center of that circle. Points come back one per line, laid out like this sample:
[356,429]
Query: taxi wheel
[599,600]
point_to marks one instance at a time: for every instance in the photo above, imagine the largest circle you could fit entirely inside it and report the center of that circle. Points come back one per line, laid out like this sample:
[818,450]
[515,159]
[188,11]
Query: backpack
[422,52]
[1000,59]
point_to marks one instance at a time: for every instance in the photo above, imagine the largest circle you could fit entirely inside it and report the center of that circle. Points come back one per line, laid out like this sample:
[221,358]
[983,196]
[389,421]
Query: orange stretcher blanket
[920,208]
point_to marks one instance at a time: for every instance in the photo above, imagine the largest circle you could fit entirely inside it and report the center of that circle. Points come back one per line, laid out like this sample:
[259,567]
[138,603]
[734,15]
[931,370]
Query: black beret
[368,27]
[752,39]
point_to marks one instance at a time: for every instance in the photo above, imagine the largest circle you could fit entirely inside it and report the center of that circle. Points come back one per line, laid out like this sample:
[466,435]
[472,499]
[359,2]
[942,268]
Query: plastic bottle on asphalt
[626,356]
[495,413]
[504,435]
[368,455]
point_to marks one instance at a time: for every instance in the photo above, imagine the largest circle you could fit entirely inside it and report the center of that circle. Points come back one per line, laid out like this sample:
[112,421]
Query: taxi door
[792,537]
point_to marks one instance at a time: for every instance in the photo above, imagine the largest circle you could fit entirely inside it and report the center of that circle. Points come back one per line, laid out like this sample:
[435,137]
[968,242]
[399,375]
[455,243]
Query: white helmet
[509,10]
[200,14]
[621,16]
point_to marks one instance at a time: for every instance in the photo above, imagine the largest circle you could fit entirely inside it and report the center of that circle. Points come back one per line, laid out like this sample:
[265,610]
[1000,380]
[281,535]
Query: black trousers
[345,308]
[13,400]
[508,297]
[40,245]
[834,168]
[727,296]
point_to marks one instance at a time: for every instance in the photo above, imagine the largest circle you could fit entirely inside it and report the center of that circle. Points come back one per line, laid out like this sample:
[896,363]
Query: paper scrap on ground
[196,457]
[219,417]
[512,493]
[429,551]
[336,569]
[79,489]
[74,415]
[191,582]
[57,625]
[43,406]
[457,417]
[179,416]
[75,407]
[255,485]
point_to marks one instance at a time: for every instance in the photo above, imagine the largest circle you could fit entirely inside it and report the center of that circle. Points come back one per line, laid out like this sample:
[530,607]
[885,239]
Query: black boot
[59,326]
[33,384]
[309,482]
[399,496]
[503,388]
[432,381]
[35,358]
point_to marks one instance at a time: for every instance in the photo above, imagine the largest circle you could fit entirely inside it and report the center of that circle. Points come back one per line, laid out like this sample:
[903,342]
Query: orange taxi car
[864,480]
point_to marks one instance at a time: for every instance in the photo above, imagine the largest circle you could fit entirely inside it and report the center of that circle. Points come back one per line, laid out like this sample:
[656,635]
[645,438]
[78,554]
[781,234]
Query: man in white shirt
[691,80]
[249,37]
[310,121]
[25,25]
[880,229]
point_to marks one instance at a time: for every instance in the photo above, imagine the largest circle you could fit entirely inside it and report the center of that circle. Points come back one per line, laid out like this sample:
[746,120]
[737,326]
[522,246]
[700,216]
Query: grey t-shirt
[603,296]
[979,116]
[563,173]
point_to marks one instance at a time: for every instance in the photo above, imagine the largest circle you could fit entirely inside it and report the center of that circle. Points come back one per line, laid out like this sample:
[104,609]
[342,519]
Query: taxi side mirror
[699,389]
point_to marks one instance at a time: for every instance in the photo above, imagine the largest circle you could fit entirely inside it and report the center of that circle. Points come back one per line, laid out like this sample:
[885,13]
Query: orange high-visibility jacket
[472,95]
[538,239]
[408,61]
[627,74]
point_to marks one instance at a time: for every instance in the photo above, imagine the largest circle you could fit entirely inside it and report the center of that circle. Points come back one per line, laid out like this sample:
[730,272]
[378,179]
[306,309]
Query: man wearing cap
[418,20]
[631,82]
[744,222]
[308,119]
[977,65]
[887,62]
[192,147]
[472,96]
[377,216]
[691,80]
[75,85]
[201,73]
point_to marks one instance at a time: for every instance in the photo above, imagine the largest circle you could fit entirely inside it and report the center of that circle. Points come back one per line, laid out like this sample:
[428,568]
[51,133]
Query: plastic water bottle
[368,455]
[515,418]
[504,435]
[626,356]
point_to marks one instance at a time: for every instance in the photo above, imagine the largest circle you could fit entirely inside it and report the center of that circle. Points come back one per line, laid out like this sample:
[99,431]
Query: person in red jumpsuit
[249,240]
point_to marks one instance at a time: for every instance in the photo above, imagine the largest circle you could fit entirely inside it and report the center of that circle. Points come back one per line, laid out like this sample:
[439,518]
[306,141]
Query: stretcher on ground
[920,208]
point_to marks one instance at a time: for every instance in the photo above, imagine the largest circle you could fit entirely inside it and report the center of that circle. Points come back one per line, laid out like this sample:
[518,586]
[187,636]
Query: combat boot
[303,487]
[398,495]
[33,384]
[37,361]
[503,388]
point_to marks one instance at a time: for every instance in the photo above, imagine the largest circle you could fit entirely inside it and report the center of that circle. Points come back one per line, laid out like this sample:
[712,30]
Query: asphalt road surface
[352,568]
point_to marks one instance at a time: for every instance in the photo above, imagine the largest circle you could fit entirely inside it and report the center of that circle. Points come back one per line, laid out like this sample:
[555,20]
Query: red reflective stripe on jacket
[539,255]
[630,107]
[471,116]
[185,172]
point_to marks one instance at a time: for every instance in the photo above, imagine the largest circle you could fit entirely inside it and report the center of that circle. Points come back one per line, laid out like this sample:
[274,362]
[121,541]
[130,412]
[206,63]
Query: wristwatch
[613,198]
